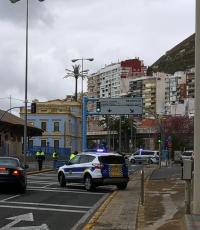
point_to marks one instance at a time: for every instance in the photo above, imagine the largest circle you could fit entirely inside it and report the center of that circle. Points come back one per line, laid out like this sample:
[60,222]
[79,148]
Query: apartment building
[61,122]
[113,80]
[149,87]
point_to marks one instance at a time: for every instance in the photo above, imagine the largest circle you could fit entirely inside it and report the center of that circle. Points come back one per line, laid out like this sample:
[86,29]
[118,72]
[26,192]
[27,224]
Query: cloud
[61,30]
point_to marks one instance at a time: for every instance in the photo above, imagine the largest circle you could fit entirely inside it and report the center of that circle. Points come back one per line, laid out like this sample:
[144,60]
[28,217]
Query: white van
[145,156]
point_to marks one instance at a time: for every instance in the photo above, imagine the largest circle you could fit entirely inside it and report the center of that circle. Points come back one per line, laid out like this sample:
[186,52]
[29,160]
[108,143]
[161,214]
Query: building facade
[11,134]
[113,80]
[61,122]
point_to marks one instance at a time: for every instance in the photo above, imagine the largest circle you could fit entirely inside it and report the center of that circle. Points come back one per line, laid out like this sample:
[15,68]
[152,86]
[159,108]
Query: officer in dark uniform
[55,159]
[40,156]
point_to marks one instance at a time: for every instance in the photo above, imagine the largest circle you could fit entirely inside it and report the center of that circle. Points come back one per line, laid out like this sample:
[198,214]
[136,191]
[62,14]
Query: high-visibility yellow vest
[72,156]
[55,155]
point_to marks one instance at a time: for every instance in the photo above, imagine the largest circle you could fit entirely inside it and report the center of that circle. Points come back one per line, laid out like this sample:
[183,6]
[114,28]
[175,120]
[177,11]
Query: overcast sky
[61,30]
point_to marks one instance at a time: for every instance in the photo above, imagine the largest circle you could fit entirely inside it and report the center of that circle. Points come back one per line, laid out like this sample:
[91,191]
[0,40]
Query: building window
[43,143]
[44,125]
[56,143]
[56,126]
[30,143]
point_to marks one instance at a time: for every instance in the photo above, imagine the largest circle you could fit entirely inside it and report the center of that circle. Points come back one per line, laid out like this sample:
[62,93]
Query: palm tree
[76,73]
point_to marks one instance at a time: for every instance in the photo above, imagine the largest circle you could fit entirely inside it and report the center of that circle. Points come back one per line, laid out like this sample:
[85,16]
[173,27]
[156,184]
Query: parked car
[188,154]
[94,169]
[13,173]
[145,156]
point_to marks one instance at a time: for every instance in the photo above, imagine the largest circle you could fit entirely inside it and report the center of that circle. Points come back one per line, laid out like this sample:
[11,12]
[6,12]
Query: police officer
[72,155]
[55,158]
[40,156]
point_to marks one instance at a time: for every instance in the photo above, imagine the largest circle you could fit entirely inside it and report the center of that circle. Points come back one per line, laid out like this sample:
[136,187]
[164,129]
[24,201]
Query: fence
[62,152]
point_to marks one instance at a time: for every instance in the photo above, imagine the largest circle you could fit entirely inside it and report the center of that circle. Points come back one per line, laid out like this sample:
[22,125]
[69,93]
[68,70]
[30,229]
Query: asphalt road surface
[46,205]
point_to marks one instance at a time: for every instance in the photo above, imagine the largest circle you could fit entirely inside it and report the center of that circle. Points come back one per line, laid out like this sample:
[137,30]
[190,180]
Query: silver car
[189,154]
[145,156]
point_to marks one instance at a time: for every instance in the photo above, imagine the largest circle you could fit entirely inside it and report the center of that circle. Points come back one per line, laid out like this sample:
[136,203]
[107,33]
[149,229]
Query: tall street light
[82,76]
[76,73]
[26,79]
[82,71]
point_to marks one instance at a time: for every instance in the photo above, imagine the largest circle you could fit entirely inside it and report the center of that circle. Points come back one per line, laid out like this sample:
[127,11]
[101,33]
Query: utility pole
[196,199]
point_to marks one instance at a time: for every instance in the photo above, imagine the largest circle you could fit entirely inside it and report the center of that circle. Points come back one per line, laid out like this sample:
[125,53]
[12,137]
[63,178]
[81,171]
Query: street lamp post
[82,76]
[26,79]
[74,73]
[82,71]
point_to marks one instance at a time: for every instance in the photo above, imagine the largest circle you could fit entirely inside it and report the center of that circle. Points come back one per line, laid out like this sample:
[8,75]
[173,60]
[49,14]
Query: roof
[100,153]
[8,119]
[148,123]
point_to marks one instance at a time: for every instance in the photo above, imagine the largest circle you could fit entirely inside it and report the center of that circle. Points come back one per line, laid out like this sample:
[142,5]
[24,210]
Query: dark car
[13,173]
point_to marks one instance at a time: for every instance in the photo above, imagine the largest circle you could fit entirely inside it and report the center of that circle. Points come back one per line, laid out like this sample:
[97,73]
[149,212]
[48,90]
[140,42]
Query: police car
[95,169]
[145,156]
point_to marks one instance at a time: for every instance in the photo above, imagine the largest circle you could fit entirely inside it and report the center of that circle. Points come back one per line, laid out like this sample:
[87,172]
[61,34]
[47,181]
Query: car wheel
[61,179]
[88,183]
[122,186]
[132,161]
[22,188]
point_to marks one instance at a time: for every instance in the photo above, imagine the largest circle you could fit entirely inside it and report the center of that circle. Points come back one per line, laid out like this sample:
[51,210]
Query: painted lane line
[47,185]
[66,191]
[41,181]
[44,204]
[9,198]
[38,182]
[42,209]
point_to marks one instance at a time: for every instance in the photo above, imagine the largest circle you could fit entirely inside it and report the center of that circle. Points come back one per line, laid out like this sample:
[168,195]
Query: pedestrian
[55,158]
[72,155]
[40,156]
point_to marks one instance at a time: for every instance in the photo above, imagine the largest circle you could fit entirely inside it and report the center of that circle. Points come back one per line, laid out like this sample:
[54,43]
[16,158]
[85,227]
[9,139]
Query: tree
[180,129]
[126,123]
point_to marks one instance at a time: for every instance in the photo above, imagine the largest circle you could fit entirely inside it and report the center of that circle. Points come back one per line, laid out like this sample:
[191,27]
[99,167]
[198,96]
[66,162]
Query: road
[47,206]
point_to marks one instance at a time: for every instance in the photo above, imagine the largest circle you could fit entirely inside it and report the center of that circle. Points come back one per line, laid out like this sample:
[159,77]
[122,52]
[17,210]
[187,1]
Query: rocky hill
[179,58]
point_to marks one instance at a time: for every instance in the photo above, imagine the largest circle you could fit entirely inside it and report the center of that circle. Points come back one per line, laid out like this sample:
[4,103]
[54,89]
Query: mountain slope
[179,58]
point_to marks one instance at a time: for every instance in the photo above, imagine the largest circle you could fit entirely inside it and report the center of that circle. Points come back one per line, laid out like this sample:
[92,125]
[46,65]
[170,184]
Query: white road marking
[11,197]
[44,204]
[42,182]
[24,217]
[47,185]
[67,191]
[43,209]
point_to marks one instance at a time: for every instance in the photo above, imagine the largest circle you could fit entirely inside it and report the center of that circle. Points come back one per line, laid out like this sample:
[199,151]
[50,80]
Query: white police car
[145,156]
[95,169]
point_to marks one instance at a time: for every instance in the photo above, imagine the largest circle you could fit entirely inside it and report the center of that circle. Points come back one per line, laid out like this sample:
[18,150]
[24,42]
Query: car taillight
[98,166]
[2,168]
[16,173]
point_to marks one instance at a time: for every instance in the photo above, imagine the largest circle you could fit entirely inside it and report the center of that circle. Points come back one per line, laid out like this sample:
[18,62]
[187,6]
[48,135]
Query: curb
[37,172]
[99,212]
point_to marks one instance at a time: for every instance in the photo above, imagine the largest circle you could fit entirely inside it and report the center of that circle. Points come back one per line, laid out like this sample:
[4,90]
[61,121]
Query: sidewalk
[120,211]
[163,207]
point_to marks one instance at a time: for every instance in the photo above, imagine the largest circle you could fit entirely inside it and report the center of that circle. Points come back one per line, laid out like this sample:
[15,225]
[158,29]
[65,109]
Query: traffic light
[33,107]
[98,107]
[159,137]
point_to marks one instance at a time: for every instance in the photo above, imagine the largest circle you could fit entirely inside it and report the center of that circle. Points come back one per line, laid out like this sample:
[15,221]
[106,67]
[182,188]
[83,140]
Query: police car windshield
[111,159]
